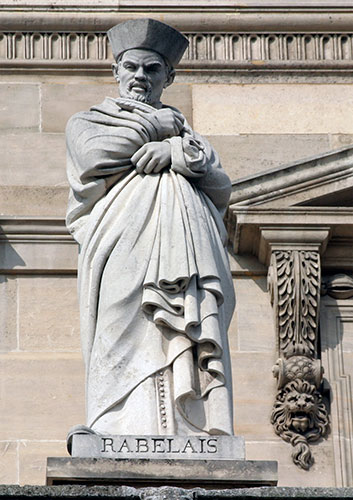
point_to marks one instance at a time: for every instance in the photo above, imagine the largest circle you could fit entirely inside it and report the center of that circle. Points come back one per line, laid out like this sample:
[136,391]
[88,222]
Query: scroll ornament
[299,414]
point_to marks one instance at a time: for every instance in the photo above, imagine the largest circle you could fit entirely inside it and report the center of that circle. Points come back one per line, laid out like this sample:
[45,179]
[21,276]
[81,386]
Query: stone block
[30,159]
[42,395]
[273,109]
[255,320]
[33,256]
[321,474]
[179,96]
[338,141]
[33,200]
[157,447]
[8,312]
[8,462]
[48,313]
[60,101]
[33,459]
[19,104]
[246,265]
[254,390]
[186,473]
[244,155]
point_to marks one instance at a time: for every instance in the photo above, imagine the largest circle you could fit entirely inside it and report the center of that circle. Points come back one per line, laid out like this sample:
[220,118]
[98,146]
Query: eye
[153,68]
[130,66]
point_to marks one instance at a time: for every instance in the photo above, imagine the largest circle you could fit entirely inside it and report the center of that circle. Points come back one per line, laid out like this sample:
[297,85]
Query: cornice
[257,231]
[298,182]
[228,36]
[204,6]
[90,19]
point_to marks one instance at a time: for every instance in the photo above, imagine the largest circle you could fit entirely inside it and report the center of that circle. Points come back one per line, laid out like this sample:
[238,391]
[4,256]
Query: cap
[148,34]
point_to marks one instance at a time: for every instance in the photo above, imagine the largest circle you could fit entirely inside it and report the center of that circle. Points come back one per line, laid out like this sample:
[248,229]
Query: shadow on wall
[9,257]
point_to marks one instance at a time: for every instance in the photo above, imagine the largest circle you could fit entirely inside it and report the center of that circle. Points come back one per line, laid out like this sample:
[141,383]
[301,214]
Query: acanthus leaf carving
[299,415]
[294,285]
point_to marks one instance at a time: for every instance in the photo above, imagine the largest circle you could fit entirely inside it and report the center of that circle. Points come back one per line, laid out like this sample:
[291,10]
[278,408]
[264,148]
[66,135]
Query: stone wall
[273,110]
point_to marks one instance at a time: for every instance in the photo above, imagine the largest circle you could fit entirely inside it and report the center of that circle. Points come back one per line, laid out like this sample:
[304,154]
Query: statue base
[212,447]
[188,473]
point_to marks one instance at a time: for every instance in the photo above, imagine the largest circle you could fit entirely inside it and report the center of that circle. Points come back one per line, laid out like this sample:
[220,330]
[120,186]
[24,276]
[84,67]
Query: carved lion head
[299,416]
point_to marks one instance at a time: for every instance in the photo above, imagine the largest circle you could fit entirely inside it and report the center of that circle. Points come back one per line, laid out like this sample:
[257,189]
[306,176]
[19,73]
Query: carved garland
[299,415]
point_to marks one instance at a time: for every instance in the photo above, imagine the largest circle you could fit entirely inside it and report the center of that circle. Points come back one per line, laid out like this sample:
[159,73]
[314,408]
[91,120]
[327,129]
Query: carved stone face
[300,408]
[142,75]
[299,416]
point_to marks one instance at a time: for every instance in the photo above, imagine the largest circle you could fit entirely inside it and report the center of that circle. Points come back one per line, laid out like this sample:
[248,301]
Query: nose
[140,74]
[301,402]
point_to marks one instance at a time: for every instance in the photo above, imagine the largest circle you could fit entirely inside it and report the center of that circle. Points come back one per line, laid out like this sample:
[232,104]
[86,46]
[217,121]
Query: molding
[292,239]
[17,228]
[257,231]
[36,245]
[98,20]
[38,38]
[338,371]
[301,181]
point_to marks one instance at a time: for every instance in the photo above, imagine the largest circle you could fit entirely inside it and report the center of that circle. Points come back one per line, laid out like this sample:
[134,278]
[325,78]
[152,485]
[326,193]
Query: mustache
[144,85]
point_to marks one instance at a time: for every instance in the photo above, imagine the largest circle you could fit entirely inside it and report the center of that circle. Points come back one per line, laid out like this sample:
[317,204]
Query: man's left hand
[152,157]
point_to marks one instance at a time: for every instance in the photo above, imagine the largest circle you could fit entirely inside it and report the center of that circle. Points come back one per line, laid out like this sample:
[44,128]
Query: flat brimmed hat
[148,34]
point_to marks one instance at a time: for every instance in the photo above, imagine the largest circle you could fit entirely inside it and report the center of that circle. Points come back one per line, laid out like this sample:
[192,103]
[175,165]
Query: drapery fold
[154,282]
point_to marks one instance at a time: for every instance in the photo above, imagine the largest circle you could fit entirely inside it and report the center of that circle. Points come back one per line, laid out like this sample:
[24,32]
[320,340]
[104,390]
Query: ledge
[252,229]
[168,493]
[36,245]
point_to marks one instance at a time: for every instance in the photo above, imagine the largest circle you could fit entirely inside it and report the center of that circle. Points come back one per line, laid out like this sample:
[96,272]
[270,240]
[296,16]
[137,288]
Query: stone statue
[156,297]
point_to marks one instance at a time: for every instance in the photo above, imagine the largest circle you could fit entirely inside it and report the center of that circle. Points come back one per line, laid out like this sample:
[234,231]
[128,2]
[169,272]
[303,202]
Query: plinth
[215,474]
[213,462]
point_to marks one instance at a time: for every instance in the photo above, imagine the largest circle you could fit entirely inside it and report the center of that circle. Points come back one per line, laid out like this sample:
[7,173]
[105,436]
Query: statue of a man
[156,296]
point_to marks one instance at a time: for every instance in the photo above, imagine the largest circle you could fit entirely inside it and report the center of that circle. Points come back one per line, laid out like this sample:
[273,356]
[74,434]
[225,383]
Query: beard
[142,98]
[146,97]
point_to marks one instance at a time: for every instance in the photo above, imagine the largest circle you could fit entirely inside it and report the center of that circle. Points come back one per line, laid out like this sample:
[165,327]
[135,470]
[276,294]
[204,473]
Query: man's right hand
[169,122]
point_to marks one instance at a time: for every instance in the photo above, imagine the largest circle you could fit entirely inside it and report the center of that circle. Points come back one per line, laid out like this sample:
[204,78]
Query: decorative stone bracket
[299,415]
[293,242]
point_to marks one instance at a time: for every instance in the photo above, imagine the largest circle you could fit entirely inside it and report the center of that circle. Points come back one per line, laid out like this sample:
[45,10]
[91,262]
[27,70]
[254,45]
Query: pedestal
[211,474]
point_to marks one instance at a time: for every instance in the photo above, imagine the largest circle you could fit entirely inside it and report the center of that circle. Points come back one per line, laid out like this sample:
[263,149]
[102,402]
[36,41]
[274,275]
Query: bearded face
[300,417]
[142,76]
[300,409]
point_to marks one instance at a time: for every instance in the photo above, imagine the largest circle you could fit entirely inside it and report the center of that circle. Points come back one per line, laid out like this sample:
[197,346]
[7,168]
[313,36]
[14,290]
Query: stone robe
[155,290]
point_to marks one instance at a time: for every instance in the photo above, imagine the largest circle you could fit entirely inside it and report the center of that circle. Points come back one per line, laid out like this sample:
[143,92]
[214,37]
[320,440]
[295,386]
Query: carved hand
[152,157]
[171,122]
[168,121]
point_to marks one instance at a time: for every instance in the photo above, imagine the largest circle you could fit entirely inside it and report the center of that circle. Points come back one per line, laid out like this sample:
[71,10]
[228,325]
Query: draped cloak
[155,288]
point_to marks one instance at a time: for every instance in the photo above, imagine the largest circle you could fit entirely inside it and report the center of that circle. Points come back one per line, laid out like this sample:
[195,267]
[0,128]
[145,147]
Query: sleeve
[99,150]
[195,159]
